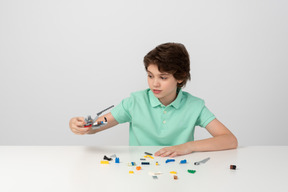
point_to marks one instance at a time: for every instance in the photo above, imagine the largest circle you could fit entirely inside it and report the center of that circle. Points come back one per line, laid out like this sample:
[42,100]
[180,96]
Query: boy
[164,114]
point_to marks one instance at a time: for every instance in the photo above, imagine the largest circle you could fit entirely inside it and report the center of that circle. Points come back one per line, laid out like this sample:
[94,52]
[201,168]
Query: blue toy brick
[183,161]
[170,160]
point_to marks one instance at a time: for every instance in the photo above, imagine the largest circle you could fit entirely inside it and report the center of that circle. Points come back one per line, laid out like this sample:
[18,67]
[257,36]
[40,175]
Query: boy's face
[163,85]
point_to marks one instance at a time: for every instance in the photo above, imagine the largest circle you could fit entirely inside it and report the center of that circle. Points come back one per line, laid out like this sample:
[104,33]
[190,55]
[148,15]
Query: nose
[156,82]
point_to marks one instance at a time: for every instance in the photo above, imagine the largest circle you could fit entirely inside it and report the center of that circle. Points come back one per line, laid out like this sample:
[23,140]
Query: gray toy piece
[203,161]
[96,124]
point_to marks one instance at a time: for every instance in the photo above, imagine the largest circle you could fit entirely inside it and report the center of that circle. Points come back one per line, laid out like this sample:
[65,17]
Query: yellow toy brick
[104,162]
[148,156]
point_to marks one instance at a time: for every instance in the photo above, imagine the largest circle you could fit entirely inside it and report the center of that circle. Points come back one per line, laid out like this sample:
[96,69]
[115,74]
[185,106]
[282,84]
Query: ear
[179,81]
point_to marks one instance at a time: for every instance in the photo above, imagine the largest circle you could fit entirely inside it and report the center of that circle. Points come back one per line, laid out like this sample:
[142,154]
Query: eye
[163,78]
[150,76]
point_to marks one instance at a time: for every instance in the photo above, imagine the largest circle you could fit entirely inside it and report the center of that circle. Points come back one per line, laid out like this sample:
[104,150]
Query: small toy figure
[96,124]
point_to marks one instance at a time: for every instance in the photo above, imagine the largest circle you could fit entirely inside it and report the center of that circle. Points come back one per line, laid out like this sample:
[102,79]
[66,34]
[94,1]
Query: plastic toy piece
[233,167]
[132,164]
[142,159]
[146,156]
[157,163]
[104,162]
[155,173]
[107,158]
[117,160]
[145,163]
[138,168]
[170,160]
[92,122]
[191,171]
[173,172]
[131,172]
[113,156]
[148,153]
[183,161]
[175,177]
[154,177]
[202,161]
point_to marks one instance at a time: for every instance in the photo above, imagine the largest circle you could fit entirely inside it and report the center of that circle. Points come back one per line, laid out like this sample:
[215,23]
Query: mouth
[156,91]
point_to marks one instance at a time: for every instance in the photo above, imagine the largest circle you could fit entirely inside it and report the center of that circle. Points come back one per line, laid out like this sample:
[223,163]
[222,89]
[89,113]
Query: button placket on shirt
[164,118]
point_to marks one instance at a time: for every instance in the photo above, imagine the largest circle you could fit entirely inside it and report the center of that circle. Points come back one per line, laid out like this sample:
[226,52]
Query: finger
[156,153]
[81,131]
[77,133]
[80,119]
[79,124]
[174,154]
[76,127]
[167,153]
[160,152]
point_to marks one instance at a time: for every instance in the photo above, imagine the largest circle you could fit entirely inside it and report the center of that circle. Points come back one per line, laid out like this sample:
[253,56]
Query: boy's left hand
[174,151]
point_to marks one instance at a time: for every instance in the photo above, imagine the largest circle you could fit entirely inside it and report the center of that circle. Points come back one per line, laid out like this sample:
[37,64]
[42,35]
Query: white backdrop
[60,59]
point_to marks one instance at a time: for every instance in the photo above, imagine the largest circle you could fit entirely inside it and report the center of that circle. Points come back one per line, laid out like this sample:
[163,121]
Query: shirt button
[164,122]
[165,112]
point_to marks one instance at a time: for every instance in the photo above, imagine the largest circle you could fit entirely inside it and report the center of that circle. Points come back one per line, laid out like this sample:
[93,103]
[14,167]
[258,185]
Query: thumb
[81,119]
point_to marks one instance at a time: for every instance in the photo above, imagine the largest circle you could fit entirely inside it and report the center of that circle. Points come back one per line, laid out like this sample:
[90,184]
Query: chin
[158,96]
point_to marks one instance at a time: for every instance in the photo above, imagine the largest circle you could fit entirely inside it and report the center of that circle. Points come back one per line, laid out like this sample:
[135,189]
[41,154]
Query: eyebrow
[159,74]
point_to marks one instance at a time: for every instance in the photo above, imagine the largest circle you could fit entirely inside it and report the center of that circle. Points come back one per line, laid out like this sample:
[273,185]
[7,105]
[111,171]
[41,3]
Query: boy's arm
[222,139]
[76,124]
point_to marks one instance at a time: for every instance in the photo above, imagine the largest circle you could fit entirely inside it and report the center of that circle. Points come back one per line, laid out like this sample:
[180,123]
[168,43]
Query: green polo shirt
[152,123]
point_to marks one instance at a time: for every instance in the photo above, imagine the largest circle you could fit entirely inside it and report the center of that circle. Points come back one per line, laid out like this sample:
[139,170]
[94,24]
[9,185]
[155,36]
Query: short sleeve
[205,117]
[121,112]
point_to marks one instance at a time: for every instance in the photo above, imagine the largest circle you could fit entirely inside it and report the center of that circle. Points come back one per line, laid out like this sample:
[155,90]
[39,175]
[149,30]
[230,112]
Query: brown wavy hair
[171,58]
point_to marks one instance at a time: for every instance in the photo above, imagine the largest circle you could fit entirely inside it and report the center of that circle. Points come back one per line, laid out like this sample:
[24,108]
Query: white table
[78,168]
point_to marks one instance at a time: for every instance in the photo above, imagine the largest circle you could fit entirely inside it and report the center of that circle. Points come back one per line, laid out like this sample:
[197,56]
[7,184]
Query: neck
[169,98]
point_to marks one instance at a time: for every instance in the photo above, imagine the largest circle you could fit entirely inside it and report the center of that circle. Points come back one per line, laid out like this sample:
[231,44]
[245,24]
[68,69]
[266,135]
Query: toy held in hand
[94,123]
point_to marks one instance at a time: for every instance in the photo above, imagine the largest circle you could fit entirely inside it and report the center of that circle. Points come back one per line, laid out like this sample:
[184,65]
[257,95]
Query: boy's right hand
[76,125]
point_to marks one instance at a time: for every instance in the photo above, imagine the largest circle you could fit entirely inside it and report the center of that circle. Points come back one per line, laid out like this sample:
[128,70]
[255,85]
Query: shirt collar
[154,101]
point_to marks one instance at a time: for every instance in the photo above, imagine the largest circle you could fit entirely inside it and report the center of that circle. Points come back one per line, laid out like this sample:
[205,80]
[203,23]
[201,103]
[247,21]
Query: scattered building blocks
[148,153]
[107,158]
[154,173]
[170,160]
[117,160]
[132,164]
[202,161]
[183,161]
[146,156]
[191,171]
[104,162]
[113,156]
[233,167]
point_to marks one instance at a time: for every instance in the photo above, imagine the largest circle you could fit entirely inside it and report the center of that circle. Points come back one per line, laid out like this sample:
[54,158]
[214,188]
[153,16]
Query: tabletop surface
[78,168]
